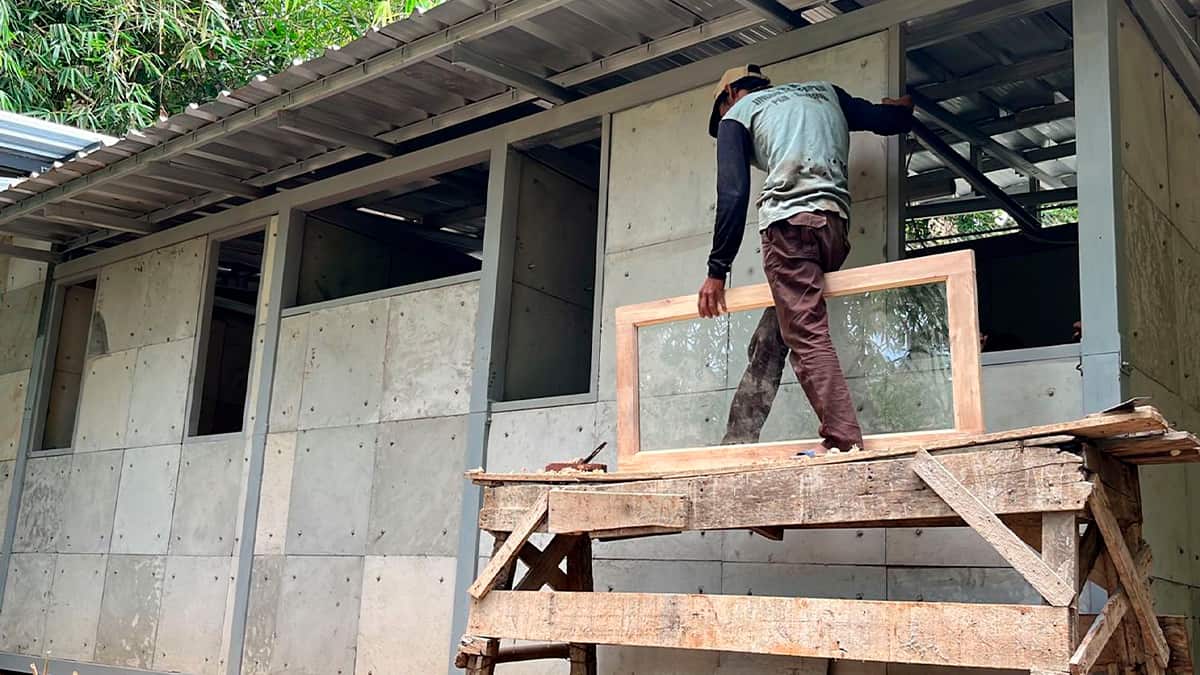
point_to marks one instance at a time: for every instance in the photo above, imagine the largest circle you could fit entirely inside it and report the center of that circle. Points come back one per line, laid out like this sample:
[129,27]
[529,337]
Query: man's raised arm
[893,116]
[734,147]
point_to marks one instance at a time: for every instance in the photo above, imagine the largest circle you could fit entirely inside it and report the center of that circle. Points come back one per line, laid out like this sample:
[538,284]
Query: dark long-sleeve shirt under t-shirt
[800,135]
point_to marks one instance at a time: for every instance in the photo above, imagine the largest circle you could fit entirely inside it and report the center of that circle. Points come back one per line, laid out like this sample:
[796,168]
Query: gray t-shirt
[802,141]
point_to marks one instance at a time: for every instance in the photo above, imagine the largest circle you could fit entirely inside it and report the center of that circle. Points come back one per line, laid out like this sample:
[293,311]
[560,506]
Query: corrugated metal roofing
[30,145]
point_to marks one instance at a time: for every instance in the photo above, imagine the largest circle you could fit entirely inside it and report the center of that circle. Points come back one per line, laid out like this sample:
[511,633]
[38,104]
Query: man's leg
[756,391]
[791,260]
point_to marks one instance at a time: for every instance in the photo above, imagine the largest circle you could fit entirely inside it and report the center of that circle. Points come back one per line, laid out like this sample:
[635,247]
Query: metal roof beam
[173,173]
[1038,66]
[1025,199]
[513,77]
[776,12]
[989,164]
[96,217]
[298,123]
[969,19]
[951,122]
[29,253]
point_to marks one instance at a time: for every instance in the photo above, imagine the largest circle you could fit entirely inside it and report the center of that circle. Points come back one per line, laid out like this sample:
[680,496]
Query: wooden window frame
[956,270]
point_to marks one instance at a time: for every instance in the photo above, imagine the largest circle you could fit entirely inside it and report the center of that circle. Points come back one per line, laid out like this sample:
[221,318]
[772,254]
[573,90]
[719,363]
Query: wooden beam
[1020,637]
[298,123]
[173,173]
[1060,545]
[1009,479]
[985,523]
[1174,627]
[1133,582]
[1098,635]
[95,217]
[543,567]
[1090,549]
[491,574]
[574,511]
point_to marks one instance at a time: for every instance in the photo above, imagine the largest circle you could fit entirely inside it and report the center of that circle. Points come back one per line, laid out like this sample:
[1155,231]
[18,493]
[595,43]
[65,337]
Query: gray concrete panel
[431,338]
[194,596]
[76,320]
[206,497]
[762,664]
[526,440]
[804,581]
[12,409]
[74,612]
[275,494]
[958,584]
[331,491]
[26,601]
[696,546]
[404,625]
[129,611]
[1183,128]
[417,487]
[60,409]
[1142,110]
[175,276]
[319,597]
[1150,285]
[19,313]
[39,517]
[289,373]
[22,272]
[655,576]
[556,233]
[158,403]
[6,476]
[637,660]
[343,374]
[940,547]
[1018,395]
[90,502]
[265,587]
[104,402]
[857,546]
[120,307]
[1167,528]
[145,500]
[536,369]
[1187,290]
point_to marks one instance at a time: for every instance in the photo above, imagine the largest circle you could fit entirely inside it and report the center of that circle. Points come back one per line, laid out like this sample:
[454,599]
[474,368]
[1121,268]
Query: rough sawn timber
[1007,479]
[1022,637]
[574,511]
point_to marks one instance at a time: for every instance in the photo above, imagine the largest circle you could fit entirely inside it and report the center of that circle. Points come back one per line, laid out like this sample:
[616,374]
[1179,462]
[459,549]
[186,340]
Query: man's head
[734,84]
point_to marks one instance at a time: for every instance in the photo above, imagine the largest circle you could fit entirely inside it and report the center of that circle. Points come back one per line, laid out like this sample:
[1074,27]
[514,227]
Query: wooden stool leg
[579,573]
[486,664]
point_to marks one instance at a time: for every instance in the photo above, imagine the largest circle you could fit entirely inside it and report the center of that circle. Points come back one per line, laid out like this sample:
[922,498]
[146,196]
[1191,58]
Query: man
[800,135]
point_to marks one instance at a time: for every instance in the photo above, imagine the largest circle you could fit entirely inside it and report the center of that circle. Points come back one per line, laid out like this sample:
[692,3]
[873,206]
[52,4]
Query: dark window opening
[229,338]
[70,352]
[553,294]
[418,231]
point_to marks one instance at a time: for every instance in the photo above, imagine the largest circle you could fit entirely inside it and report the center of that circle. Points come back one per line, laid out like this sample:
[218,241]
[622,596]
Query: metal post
[896,155]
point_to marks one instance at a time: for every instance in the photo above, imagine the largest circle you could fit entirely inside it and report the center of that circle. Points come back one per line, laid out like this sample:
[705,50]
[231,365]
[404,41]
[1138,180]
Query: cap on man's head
[749,75]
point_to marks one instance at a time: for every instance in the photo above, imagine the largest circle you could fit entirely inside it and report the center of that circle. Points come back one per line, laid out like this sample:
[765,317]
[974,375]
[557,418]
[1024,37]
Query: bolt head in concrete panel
[861,546]
[289,373]
[174,280]
[804,581]
[193,614]
[26,601]
[158,404]
[23,273]
[275,494]
[343,373]
[104,402]
[430,346]
[417,487]
[320,596]
[145,499]
[527,440]
[330,498]
[20,310]
[75,606]
[129,611]
[206,497]
[39,517]
[12,408]
[1017,395]
[120,306]
[960,584]
[90,502]
[940,547]
[266,585]
[406,615]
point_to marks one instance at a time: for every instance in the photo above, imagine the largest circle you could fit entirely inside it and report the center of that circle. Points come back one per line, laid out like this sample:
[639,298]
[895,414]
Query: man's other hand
[712,298]
[905,101]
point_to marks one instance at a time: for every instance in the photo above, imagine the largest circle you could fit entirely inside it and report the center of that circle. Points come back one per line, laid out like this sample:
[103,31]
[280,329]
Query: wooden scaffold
[1059,502]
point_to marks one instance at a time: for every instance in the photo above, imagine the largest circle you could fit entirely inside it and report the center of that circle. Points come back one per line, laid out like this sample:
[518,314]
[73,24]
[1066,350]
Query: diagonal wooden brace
[506,554]
[1133,583]
[543,566]
[1096,639]
[1024,559]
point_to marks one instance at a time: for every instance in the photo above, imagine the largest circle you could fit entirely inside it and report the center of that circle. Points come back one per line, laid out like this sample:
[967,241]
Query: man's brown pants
[796,255]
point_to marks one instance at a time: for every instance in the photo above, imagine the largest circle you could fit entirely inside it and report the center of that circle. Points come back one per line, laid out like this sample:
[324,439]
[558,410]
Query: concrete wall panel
[1151,288]
[552,203]
[145,500]
[289,373]
[158,404]
[1186,264]
[417,487]
[695,546]
[1167,526]
[74,612]
[431,339]
[857,546]
[12,409]
[331,491]
[174,280]
[969,584]
[940,546]
[1142,110]
[90,502]
[527,440]
[39,517]
[405,618]
[636,660]
[537,369]
[21,272]
[275,495]
[61,409]
[193,612]
[343,374]
[6,476]
[1183,128]
[319,597]
[655,576]
[804,581]
[104,402]
[120,307]
[19,312]
[73,329]
[265,586]
[129,612]
[207,496]
[26,601]
[761,664]
[1024,394]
